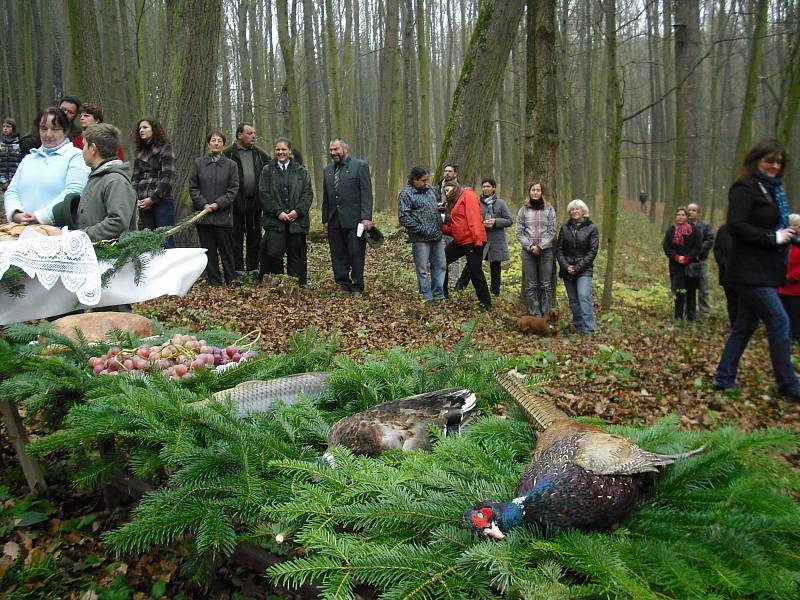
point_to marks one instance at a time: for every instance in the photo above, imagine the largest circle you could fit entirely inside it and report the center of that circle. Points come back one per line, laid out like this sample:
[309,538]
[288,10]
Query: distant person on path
[250,161]
[496,218]
[682,244]
[346,204]
[722,252]
[576,249]
[286,195]
[91,114]
[153,174]
[10,156]
[465,225]
[790,293]
[643,201]
[707,233]
[47,174]
[536,233]
[758,221]
[214,184]
[418,212]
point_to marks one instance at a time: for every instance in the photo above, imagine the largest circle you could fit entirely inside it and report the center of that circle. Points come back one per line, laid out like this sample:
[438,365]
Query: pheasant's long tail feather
[540,412]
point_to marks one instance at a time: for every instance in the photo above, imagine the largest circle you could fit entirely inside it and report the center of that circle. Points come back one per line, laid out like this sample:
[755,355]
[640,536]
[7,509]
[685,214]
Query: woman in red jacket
[465,225]
[790,293]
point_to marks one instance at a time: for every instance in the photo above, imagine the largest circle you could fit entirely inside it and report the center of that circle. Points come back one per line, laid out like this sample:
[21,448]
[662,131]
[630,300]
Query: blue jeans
[759,304]
[579,292]
[160,214]
[432,253]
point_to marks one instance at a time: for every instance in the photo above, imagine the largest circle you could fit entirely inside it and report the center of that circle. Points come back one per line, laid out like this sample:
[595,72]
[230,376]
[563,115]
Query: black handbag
[693,270]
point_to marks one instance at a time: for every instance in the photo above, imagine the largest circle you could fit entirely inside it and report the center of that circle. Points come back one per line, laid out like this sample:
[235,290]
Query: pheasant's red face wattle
[482,518]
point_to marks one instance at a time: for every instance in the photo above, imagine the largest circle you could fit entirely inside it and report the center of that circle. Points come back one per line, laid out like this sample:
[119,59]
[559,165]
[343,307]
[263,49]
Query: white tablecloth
[64,277]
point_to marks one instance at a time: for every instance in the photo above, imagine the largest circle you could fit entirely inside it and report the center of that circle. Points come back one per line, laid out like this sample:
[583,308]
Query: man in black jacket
[704,305]
[346,214]
[250,160]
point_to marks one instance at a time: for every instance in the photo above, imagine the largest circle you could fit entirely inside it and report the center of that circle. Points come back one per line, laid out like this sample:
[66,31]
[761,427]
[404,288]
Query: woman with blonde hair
[576,250]
[536,233]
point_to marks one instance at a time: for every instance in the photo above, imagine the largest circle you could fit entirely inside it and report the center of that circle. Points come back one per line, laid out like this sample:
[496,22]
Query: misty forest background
[600,99]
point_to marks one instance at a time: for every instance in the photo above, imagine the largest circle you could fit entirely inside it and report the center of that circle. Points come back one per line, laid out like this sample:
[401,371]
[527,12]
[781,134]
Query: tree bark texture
[541,139]
[613,148]
[689,161]
[478,85]
[386,94]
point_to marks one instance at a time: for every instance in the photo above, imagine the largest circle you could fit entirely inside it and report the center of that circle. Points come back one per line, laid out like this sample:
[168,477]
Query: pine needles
[721,524]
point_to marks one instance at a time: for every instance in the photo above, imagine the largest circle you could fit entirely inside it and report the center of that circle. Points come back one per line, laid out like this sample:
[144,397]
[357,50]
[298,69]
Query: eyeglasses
[772,161]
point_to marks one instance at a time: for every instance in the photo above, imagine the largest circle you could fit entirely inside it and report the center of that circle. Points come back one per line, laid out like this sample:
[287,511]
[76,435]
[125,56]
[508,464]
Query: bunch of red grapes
[177,358]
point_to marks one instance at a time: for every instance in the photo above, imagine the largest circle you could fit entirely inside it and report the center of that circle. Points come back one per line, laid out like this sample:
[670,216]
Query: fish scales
[251,397]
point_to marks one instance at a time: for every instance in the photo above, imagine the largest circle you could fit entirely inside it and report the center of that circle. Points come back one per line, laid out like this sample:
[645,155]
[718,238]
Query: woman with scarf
[536,233]
[758,222]
[465,224]
[496,217]
[682,245]
[47,173]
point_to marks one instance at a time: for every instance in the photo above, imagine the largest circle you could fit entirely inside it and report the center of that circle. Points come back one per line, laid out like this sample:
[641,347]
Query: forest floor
[639,366]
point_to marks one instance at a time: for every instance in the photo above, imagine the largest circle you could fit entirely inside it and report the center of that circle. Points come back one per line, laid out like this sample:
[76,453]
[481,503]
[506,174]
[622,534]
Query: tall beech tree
[478,85]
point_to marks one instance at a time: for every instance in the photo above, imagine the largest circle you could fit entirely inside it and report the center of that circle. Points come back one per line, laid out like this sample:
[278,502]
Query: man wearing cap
[346,214]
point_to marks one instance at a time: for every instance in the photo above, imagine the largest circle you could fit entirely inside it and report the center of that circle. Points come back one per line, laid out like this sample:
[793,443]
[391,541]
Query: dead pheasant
[579,477]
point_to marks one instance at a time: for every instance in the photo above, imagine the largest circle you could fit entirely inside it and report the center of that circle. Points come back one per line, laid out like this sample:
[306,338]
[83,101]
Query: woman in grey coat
[496,218]
[214,184]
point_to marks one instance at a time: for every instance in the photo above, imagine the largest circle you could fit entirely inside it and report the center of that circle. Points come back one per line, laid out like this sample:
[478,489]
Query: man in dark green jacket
[250,160]
[107,206]
[286,196]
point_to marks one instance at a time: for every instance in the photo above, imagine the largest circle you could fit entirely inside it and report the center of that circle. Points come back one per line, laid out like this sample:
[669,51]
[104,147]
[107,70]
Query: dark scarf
[537,204]
[681,232]
[775,191]
[489,202]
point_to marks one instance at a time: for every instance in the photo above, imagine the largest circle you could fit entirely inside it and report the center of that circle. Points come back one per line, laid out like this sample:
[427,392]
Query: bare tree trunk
[411,118]
[613,150]
[334,76]
[386,91]
[85,37]
[745,136]
[786,118]
[285,38]
[688,147]
[541,141]
[313,153]
[196,27]
[479,83]
[424,86]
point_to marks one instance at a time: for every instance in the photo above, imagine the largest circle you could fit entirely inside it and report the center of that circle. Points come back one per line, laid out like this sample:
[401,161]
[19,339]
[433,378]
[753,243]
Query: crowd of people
[70,170]
[758,257]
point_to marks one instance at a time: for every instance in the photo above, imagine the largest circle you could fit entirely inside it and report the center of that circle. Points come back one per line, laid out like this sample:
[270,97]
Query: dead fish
[402,424]
[259,396]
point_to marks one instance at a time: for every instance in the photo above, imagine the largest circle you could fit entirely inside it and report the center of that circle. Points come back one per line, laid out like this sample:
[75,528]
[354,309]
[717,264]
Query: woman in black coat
[758,221]
[214,184]
[576,250]
[682,245]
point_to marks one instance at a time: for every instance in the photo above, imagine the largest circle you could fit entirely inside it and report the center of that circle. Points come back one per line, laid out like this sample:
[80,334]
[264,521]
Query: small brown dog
[539,325]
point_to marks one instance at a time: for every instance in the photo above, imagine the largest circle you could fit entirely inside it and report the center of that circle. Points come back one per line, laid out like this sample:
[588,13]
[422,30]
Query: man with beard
[346,214]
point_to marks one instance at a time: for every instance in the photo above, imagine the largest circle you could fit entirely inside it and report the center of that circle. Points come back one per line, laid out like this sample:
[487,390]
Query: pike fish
[251,397]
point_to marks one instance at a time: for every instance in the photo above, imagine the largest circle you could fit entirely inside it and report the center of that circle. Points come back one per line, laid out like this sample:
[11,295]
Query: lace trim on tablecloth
[69,257]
